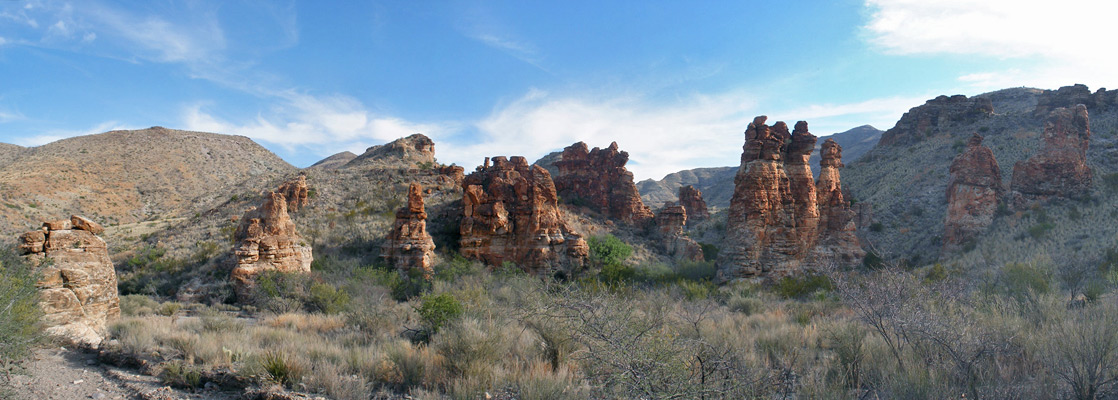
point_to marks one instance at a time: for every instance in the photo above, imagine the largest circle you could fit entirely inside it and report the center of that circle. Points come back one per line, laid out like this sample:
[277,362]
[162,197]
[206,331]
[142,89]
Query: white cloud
[1062,43]
[321,124]
[57,135]
[9,116]
[697,131]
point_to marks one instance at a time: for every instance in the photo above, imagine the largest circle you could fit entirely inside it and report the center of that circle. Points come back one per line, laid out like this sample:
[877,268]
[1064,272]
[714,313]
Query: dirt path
[62,374]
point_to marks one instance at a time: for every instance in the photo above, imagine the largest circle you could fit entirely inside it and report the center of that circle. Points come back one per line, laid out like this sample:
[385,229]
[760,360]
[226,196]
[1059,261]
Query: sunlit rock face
[267,241]
[598,179]
[511,214]
[409,247]
[781,222]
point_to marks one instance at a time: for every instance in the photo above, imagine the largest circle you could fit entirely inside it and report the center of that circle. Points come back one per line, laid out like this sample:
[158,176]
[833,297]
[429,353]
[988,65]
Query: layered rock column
[296,191]
[511,214]
[599,179]
[267,241]
[669,225]
[973,192]
[78,284]
[780,223]
[1060,167]
[408,246]
[692,200]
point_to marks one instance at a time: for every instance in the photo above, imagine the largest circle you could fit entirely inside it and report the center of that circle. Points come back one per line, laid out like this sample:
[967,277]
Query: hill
[717,184]
[124,177]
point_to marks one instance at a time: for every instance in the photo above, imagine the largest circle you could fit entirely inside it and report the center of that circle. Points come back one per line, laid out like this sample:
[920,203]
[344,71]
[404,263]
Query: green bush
[877,227]
[328,299]
[19,313]
[696,290]
[936,273]
[608,249]
[698,271]
[1023,278]
[617,274]
[710,251]
[437,309]
[281,368]
[181,375]
[745,305]
[455,268]
[799,287]
[873,261]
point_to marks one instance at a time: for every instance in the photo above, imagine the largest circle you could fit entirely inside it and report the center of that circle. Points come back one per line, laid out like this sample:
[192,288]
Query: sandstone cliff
[78,283]
[774,227]
[1060,167]
[929,119]
[410,152]
[1071,96]
[973,193]
[598,179]
[692,201]
[511,214]
[408,246]
[670,221]
[267,241]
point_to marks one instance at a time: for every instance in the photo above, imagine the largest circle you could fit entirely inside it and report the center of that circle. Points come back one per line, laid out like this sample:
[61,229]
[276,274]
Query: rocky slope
[334,161]
[717,184]
[125,177]
[905,178]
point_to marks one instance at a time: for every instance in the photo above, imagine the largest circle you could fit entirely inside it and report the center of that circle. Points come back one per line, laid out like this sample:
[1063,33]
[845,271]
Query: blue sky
[673,82]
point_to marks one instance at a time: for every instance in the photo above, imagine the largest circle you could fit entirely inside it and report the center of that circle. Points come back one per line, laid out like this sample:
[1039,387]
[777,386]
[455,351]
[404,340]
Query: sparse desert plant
[1084,348]
[19,313]
[438,309]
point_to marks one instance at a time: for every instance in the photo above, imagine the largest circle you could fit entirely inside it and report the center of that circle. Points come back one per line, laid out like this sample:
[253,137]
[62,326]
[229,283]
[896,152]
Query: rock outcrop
[692,200]
[78,285]
[973,193]
[266,240]
[926,120]
[598,179]
[415,151]
[669,226]
[1060,167]
[409,247]
[511,214]
[296,192]
[1070,96]
[451,175]
[780,221]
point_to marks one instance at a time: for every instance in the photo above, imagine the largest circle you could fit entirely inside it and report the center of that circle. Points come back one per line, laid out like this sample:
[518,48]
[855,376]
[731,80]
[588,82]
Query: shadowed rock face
[1071,96]
[972,194]
[409,246]
[692,200]
[781,222]
[941,111]
[599,179]
[267,241]
[669,225]
[1060,167]
[511,214]
[78,285]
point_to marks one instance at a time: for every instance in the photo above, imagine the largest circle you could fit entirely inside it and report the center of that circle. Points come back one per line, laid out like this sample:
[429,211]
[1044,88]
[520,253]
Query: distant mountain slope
[717,184]
[905,179]
[335,160]
[9,152]
[126,176]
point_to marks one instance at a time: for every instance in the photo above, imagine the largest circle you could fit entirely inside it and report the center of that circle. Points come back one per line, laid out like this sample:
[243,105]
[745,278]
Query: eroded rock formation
[78,284]
[1060,167]
[408,246]
[669,225]
[415,151]
[925,120]
[296,192]
[511,214]
[1070,96]
[780,221]
[692,200]
[973,192]
[266,240]
[598,178]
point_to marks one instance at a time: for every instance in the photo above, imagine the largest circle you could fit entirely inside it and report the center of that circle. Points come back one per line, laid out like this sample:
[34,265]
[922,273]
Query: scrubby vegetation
[19,314]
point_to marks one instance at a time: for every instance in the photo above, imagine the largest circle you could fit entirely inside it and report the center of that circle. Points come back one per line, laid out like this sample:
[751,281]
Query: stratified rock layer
[669,225]
[78,285]
[267,241]
[598,178]
[1070,96]
[511,214]
[921,121]
[692,200]
[409,247]
[972,194]
[296,192]
[1060,167]
[780,222]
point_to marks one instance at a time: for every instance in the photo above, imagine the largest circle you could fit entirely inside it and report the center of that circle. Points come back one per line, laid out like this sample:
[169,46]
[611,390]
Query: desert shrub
[1040,230]
[437,309]
[696,290]
[181,375]
[877,227]
[328,299]
[745,305]
[457,266]
[608,249]
[137,305]
[698,271]
[1021,278]
[615,274]
[1111,181]
[469,346]
[873,261]
[169,308]
[936,273]
[847,340]
[799,287]
[19,312]
[710,251]
[281,367]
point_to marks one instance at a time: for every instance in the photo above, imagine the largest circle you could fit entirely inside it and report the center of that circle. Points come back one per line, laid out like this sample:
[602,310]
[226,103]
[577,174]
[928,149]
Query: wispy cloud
[479,25]
[1063,41]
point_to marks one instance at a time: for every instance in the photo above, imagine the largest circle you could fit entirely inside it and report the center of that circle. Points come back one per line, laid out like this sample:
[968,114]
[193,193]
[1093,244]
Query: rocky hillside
[124,177]
[334,161]
[904,180]
[717,184]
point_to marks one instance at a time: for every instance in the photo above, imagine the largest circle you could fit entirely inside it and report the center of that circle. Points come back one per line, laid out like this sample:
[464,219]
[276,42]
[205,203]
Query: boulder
[78,284]
[511,214]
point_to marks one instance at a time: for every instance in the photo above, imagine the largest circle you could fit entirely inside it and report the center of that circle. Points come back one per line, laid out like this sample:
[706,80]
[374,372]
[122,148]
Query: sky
[675,83]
